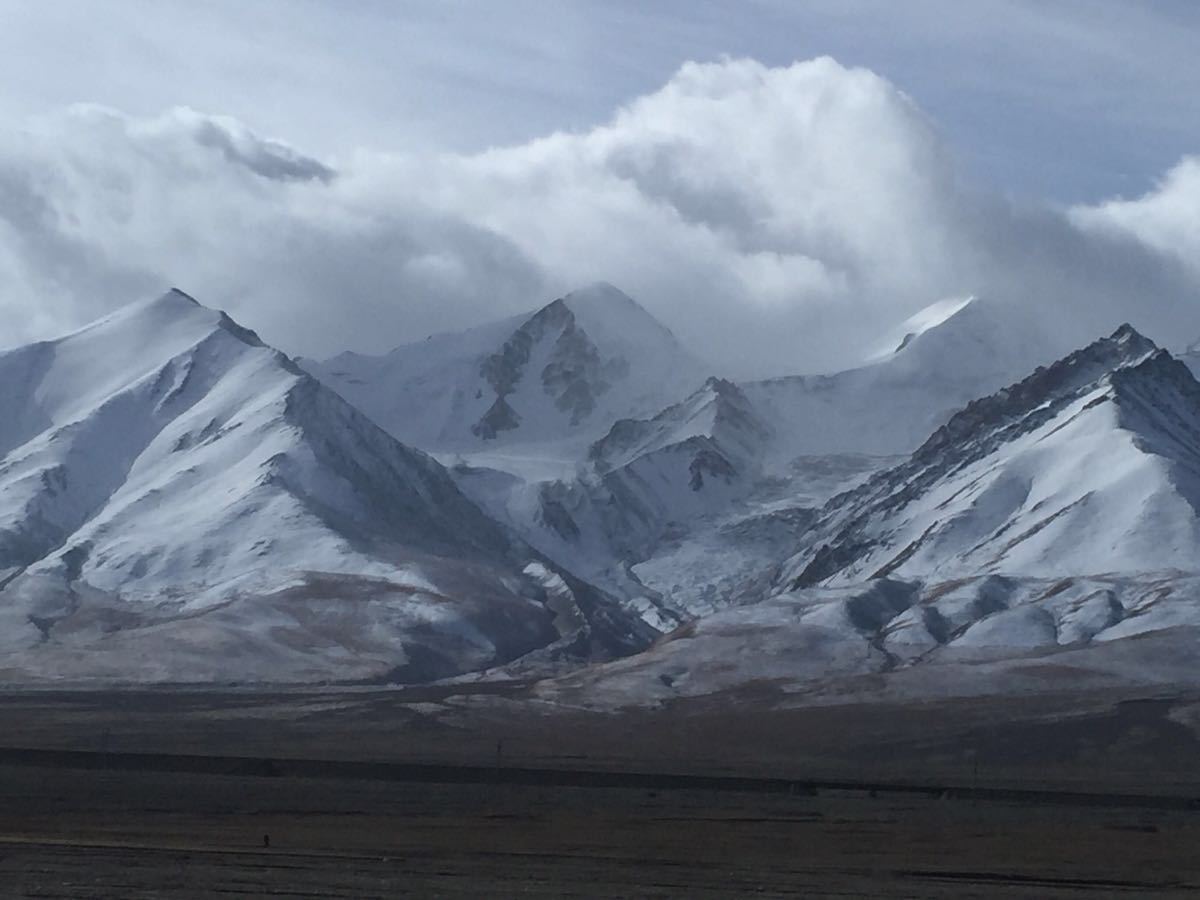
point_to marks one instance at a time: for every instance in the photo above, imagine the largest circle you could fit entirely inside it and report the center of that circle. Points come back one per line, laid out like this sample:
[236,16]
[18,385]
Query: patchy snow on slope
[907,640]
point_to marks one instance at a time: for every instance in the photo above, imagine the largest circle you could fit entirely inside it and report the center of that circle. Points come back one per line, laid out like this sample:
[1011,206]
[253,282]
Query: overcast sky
[361,172]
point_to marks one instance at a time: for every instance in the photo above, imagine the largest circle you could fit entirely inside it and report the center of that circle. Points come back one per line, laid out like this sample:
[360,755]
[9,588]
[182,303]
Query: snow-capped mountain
[1088,466]
[557,378]
[696,505]
[1045,537]
[179,501]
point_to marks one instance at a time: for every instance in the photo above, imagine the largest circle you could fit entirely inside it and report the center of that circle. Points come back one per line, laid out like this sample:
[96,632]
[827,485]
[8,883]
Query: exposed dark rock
[499,417]
[709,462]
[575,375]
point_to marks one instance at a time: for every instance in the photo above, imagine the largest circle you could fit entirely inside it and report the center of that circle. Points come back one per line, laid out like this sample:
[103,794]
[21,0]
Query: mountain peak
[176,293]
[722,386]
[1127,343]
[1060,379]
[718,412]
[174,314]
[606,312]
[173,302]
[1126,333]
[563,374]
[899,337]
[599,292]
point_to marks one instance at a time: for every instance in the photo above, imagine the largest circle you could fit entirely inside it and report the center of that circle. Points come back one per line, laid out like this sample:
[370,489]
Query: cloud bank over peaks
[777,219]
[97,207]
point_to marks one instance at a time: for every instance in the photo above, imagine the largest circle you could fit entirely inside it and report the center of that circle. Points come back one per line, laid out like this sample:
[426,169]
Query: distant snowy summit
[560,375]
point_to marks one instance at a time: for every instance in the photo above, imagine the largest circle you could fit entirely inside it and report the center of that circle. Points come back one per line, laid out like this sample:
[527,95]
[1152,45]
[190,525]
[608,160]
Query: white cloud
[97,208]
[1167,218]
[777,218]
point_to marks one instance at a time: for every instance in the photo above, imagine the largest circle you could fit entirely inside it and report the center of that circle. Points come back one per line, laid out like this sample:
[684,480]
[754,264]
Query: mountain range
[570,494]
[180,502]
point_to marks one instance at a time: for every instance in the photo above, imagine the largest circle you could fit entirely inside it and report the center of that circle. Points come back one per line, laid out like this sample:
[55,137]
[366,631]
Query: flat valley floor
[1063,797]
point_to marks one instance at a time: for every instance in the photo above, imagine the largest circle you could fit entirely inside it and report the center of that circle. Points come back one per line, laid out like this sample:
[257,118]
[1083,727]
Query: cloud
[780,188]
[270,159]
[1167,218]
[98,208]
[777,218]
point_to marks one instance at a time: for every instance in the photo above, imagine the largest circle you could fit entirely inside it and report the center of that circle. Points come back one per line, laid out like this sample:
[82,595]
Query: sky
[775,180]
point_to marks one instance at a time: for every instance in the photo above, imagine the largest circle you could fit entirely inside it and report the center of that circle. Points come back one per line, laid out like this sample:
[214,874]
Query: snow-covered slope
[695,505]
[557,378]
[1088,466]
[1044,538]
[179,501]
[646,479]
